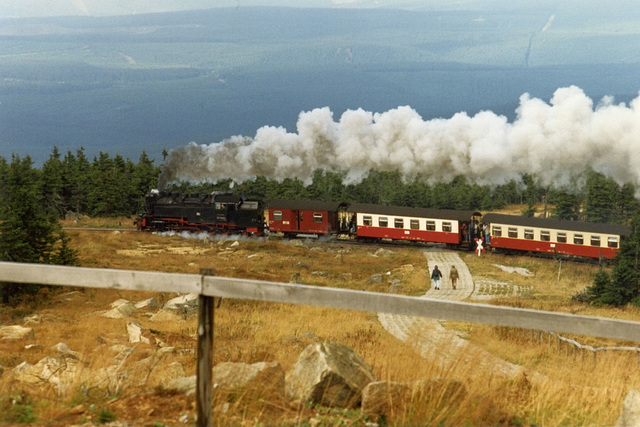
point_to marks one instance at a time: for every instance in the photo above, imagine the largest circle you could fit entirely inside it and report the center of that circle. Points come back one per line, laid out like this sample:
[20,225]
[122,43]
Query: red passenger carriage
[561,237]
[293,217]
[376,222]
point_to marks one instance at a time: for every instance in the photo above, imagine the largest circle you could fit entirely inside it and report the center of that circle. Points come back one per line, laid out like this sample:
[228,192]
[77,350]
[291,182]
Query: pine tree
[4,171]
[76,183]
[28,231]
[623,285]
[52,183]
[601,282]
[600,200]
[144,178]
[566,206]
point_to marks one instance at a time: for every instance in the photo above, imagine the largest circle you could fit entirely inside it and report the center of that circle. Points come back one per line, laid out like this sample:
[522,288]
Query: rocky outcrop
[60,372]
[122,309]
[236,381]
[326,373]
[184,305]
[147,304]
[329,374]
[16,332]
[630,415]
[380,398]
[262,380]
[183,385]
[137,333]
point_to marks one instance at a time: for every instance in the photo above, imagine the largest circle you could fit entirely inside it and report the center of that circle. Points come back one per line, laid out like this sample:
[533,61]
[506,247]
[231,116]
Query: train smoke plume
[555,141]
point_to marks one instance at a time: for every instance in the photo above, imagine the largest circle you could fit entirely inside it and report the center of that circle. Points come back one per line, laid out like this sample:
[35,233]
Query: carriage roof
[308,205]
[412,212]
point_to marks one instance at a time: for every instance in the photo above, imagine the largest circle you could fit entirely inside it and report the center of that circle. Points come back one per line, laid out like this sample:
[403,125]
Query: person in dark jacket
[436,275]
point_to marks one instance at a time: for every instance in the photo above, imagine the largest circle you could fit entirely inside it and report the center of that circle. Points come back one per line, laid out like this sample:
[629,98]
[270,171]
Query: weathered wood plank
[424,307]
[100,278]
[204,389]
[327,297]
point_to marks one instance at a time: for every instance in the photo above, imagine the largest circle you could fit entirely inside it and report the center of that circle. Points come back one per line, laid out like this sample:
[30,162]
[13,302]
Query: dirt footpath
[430,338]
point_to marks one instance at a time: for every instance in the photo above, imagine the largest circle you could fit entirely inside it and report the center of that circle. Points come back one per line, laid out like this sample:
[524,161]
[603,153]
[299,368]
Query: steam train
[215,213]
[224,213]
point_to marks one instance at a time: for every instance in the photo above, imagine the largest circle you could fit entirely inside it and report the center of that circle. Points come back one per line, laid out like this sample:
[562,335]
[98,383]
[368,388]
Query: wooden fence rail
[213,286]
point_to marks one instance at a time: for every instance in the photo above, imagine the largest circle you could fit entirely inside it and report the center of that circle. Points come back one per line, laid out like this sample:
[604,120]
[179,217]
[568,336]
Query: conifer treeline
[32,201]
[114,186]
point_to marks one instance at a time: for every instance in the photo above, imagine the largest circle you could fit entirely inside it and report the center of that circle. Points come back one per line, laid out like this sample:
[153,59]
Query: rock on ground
[329,374]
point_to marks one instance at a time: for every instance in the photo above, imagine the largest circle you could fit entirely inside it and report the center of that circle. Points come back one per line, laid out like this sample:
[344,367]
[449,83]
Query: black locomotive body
[215,213]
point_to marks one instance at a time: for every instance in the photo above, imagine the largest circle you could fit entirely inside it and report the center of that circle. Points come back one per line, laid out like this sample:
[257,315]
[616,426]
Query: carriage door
[295,220]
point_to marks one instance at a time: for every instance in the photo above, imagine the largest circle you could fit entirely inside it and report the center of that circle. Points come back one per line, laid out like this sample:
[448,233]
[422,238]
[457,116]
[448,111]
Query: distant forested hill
[154,82]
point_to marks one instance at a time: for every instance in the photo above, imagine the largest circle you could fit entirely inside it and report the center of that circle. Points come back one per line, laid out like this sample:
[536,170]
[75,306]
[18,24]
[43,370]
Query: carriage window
[317,217]
[366,220]
[415,224]
[595,240]
[496,231]
[431,226]
[545,236]
[528,234]
[277,215]
[612,242]
[578,239]
[398,223]
[446,227]
[382,221]
[513,232]
[562,238]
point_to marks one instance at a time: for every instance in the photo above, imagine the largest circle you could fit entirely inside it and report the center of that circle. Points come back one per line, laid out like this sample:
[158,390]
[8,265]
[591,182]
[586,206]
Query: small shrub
[105,415]
[581,296]
[21,414]
[16,408]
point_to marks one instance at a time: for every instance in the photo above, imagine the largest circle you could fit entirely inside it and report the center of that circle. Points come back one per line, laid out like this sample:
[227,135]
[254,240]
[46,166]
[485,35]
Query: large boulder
[16,332]
[60,372]
[122,309]
[329,374]
[149,303]
[64,350]
[630,415]
[182,385]
[185,305]
[136,333]
[262,380]
[383,398]
[166,316]
[235,381]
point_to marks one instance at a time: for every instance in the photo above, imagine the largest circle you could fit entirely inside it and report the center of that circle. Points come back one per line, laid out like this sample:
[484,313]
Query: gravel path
[430,338]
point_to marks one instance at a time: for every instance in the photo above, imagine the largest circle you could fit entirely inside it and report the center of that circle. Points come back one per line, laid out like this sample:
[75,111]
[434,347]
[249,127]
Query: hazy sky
[33,8]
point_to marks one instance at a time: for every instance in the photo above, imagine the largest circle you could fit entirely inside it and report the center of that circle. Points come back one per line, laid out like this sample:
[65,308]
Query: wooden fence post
[204,379]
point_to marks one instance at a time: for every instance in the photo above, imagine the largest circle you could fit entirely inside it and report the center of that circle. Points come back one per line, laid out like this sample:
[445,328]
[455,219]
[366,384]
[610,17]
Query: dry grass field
[560,387]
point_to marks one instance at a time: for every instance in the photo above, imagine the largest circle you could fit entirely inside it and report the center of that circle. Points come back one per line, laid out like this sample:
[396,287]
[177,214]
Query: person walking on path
[436,275]
[453,275]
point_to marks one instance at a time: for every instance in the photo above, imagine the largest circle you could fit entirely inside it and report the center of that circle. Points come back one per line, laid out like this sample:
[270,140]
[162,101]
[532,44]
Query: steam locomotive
[215,213]
[225,213]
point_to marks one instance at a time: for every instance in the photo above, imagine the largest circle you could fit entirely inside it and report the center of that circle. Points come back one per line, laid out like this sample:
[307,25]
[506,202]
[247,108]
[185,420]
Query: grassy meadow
[558,386]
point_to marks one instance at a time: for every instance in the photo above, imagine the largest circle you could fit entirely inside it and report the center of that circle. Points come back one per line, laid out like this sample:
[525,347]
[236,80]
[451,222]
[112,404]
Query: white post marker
[479,247]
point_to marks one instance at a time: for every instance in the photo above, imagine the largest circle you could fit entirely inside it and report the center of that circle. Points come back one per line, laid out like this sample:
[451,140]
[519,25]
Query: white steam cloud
[555,141]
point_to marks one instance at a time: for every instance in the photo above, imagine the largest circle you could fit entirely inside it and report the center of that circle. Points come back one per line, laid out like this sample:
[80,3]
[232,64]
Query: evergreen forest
[34,199]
